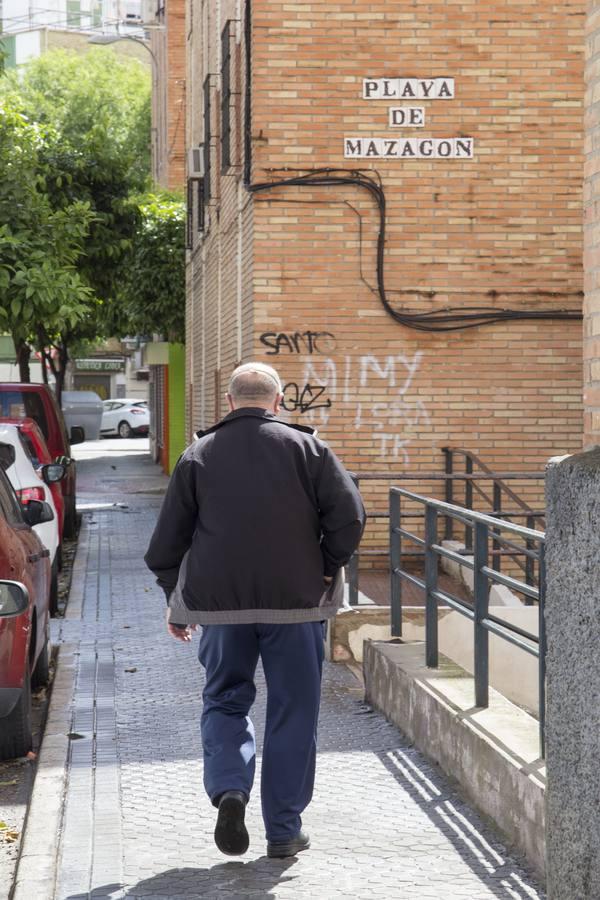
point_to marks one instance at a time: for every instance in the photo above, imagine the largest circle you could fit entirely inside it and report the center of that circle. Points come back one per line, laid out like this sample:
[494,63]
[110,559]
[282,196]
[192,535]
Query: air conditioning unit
[196,162]
[149,11]
[131,12]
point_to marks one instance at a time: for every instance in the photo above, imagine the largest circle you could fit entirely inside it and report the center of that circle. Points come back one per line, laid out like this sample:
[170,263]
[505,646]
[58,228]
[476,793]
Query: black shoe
[231,836]
[281,849]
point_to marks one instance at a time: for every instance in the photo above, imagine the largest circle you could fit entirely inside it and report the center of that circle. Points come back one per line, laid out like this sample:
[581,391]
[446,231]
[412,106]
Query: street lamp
[114,38]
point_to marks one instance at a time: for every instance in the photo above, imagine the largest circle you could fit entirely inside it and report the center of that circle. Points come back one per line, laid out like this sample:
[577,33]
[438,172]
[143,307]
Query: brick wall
[168,96]
[500,230]
[219,262]
[591,198]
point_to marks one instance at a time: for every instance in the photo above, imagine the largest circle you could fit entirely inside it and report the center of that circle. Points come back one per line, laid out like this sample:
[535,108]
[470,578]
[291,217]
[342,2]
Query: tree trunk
[23,351]
[44,353]
[60,370]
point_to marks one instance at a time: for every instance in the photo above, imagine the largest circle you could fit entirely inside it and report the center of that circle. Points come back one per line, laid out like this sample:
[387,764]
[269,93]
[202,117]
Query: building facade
[385,203]
[591,196]
[167,42]
[30,28]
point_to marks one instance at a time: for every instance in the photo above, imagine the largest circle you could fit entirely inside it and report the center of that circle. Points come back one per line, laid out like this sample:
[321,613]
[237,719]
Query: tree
[152,294]
[99,110]
[94,112]
[39,246]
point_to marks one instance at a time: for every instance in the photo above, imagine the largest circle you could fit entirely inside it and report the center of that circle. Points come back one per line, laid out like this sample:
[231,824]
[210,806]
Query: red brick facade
[168,96]
[289,275]
[591,196]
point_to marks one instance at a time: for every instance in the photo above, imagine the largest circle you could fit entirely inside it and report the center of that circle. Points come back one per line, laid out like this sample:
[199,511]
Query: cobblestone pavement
[384,823]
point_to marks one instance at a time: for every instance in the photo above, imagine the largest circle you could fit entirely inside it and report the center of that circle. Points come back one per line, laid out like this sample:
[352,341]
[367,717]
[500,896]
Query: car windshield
[24,405]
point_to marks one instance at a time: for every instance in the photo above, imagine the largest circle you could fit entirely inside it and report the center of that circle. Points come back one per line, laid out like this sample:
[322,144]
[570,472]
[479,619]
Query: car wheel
[125,430]
[54,588]
[41,673]
[70,526]
[15,729]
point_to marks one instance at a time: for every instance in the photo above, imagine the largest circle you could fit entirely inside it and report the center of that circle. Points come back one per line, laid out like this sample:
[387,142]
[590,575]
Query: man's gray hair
[254,382]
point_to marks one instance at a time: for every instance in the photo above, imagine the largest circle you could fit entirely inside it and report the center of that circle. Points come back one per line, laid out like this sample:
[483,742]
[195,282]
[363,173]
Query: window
[201,218]
[74,13]
[97,13]
[226,94]
[189,217]
[8,45]
[207,139]
[24,404]
[29,448]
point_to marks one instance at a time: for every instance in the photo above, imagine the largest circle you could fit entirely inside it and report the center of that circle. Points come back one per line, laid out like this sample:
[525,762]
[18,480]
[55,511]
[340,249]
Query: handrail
[499,489]
[460,512]
[498,479]
[487,531]
[448,478]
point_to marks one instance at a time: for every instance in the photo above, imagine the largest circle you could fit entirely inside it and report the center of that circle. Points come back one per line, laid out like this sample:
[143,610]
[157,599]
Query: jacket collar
[254,412]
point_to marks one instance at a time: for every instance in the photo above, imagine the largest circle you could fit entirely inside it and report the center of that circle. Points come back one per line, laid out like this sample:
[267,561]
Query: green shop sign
[99,365]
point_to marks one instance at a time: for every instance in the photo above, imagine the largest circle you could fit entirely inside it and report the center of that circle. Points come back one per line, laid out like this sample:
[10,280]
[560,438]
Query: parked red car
[24,616]
[37,402]
[37,449]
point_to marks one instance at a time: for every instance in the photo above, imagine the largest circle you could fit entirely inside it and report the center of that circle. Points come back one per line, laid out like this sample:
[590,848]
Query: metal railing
[485,529]
[473,465]
[476,472]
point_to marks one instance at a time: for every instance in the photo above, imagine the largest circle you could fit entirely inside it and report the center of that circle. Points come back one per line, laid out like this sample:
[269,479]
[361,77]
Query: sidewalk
[129,818]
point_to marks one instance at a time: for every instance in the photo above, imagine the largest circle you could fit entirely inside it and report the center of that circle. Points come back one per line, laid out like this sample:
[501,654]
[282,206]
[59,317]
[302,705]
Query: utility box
[83,409]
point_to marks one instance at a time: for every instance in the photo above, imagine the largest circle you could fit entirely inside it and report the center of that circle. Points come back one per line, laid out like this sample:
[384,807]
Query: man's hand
[327,579]
[180,634]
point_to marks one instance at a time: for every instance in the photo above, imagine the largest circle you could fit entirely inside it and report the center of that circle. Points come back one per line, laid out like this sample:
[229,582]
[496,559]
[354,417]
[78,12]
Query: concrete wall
[493,753]
[573,677]
[513,672]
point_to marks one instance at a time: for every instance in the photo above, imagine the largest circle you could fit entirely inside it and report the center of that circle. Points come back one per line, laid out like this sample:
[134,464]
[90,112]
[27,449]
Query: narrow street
[129,818]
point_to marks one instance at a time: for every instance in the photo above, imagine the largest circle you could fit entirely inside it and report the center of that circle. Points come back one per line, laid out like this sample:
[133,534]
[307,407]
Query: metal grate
[207,138]
[200,212]
[189,230]
[226,94]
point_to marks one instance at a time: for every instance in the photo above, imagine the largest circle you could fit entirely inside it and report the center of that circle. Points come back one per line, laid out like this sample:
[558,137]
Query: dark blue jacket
[257,512]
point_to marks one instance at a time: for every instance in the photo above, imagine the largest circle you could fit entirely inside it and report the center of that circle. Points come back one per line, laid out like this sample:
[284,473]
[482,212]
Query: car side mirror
[7,456]
[77,434]
[37,512]
[14,598]
[53,472]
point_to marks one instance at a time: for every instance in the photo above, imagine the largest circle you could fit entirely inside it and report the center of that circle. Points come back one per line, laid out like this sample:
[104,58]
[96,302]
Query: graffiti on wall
[309,342]
[305,398]
[327,381]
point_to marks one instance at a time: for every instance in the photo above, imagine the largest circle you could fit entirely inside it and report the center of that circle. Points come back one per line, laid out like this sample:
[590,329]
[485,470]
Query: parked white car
[125,417]
[32,483]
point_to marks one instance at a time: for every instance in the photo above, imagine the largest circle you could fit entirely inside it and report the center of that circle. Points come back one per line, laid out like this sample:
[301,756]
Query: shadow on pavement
[479,847]
[240,880]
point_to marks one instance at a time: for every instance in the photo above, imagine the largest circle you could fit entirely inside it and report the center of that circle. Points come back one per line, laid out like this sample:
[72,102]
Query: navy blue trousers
[292,659]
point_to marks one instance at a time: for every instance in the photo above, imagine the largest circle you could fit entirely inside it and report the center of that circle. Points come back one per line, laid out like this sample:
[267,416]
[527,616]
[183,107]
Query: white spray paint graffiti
[390,422]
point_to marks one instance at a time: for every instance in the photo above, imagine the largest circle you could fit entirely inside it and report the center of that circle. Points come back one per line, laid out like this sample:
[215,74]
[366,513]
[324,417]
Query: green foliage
[96,110]
[40,247]
[152,294]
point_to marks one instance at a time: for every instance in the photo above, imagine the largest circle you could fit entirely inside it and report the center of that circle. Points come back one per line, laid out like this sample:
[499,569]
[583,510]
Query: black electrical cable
[450,319]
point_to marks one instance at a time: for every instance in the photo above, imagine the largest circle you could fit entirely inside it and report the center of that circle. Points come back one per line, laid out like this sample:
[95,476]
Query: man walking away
[257,522]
